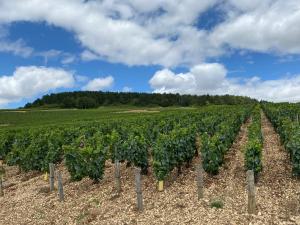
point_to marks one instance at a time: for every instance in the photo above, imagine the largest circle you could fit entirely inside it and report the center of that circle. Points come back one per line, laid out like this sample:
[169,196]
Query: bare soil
[277,191]
[16,111]
[27,199]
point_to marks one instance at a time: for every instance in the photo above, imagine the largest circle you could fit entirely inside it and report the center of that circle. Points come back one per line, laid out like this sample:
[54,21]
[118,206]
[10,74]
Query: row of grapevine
[34,150]
[86,157]
[173,150]
[163,141]
[6,141]
[254,146]
[284,118]
[214,146]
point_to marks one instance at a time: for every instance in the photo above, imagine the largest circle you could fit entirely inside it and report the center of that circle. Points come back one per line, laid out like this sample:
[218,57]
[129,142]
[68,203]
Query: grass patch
[217,203]
[95,202]
[79,219]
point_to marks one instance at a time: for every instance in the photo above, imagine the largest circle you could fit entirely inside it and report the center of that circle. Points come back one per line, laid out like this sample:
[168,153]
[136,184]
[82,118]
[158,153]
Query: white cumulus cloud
[263,26]
[98,84]
[131,32]
[212,79]
[27,82]
[201,79]
[165,32]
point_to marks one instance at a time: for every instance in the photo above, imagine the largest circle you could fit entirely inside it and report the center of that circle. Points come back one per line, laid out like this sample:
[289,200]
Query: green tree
[86,103]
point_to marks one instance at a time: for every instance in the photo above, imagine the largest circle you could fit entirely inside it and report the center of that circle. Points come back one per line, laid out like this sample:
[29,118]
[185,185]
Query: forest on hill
[94,99]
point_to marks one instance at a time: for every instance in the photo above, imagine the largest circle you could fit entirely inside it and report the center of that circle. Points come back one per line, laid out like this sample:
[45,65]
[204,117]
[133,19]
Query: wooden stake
[200,185]
[198,144]
[51,177]
[1,186]
[117,176]
[2,173]
[60,187]
[251,192]
[178,171]
[138,189]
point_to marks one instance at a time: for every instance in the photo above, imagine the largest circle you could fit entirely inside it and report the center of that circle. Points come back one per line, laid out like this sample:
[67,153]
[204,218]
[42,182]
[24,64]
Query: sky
[239,47]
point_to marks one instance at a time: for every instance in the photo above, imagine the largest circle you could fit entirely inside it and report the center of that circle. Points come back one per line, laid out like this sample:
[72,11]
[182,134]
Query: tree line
[94,99]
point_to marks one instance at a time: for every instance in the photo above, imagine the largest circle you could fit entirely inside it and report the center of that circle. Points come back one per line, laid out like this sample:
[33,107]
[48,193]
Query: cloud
[131,32]
[64,57]
[127,89]
[16,47]
[263,26]
[68,58]
[27,82]
[98,84]
[89,56]
[166,32]
[212,79]
[201,79]
[20,48]
[50,54]
[246,5]
[286,89]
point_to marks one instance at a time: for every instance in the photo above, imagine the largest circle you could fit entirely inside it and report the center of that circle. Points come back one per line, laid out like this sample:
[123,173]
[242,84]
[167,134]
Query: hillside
[94,99]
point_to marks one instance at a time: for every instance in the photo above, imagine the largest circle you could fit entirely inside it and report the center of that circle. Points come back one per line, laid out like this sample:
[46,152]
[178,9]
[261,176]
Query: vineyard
[97,159]
[285,118]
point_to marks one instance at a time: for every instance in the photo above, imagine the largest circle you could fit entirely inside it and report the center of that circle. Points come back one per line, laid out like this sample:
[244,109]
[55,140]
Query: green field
[44,117]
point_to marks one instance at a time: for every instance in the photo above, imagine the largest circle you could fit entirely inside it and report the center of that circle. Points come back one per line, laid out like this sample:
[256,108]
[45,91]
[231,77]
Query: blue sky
[248,48]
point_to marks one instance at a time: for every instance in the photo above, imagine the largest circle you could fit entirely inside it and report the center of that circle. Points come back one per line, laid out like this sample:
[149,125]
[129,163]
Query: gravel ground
[27,199]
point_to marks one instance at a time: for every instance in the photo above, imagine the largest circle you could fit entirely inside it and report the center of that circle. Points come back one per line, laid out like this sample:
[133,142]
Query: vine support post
[200,185]
[1,186]
[2,172]
[51,176]
[60,187]
[138,189]
[117,176]
[197,142]
[251,192]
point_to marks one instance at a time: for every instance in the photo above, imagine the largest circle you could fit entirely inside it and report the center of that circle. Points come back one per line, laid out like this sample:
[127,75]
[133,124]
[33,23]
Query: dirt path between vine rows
[277,191]
[229,186]
[27,201]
